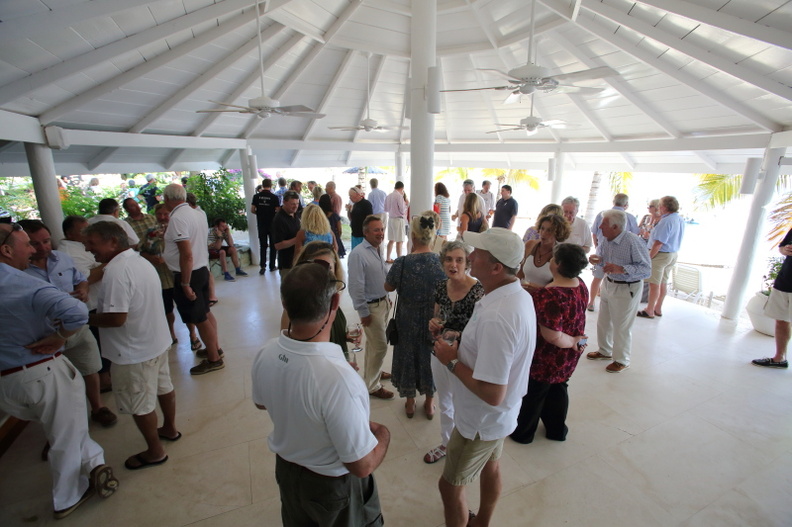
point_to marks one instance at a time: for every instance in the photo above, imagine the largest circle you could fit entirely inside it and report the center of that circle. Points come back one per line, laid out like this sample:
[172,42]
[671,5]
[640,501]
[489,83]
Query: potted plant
[755,308]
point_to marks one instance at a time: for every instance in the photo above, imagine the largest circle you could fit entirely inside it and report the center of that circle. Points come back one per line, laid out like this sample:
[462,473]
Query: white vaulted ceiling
[702,84]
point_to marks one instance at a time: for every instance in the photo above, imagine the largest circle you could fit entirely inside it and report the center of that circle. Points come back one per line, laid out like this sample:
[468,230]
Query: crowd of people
[488,327]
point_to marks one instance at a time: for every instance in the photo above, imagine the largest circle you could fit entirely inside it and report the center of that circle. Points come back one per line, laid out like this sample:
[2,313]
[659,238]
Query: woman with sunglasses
[322,253]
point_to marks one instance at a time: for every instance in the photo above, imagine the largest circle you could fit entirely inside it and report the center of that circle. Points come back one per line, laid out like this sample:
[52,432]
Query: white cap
[149,177]
[505,245]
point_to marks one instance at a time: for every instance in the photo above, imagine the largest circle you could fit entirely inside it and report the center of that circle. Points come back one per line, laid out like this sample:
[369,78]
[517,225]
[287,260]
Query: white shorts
[779,305]
[136,386]
[396,229]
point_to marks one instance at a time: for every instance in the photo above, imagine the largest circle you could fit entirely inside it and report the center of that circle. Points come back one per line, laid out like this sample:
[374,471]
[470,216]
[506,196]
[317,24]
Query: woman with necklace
[535,271]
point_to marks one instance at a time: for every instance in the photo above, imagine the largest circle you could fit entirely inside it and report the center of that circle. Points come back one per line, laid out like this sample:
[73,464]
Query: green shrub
[220,196]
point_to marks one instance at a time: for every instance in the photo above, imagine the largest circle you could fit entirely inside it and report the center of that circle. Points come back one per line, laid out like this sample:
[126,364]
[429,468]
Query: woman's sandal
[644,314]
[409,411]
[429,411]
[435,455]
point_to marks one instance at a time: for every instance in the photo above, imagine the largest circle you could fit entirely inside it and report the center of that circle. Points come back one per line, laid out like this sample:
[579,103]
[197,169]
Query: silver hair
[616,217]
[621,200]
[573,200]
[175,192]
[453,246]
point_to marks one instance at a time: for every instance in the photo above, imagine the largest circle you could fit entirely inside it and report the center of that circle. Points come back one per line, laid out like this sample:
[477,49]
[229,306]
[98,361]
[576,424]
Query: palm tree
[512,176]
[620,182]
[460,173]
[717,190]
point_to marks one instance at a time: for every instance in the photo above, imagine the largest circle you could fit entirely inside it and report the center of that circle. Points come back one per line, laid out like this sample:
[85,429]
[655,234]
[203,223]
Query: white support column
[42,170]
[399,164]
[249,176]
[423,41]
[558,179]
[753,233]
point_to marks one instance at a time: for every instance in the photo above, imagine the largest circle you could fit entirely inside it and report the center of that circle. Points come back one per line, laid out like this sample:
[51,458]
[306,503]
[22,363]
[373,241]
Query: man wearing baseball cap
[489,366]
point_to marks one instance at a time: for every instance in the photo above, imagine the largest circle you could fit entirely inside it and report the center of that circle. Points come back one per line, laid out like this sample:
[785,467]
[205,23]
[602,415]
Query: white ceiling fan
[264,106]
[532,78]
[368,124]
[530,124]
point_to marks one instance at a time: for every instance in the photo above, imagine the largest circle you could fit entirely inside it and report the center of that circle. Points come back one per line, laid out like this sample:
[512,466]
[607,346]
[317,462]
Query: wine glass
[354,332]
[451,336]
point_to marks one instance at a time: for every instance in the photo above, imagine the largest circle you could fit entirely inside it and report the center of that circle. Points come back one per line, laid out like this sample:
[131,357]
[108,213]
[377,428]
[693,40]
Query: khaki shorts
[396,229]
[466,458]
[136,386]
[83,351]
[779,306]
[662,264]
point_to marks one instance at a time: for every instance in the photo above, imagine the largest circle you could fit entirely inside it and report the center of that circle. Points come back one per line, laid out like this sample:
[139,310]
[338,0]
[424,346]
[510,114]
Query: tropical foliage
[512,176]
[17,197]
[620,182]
[220,196]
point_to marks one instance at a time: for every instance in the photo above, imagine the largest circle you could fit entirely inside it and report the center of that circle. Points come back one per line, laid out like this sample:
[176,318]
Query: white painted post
[42,170]
[249,176]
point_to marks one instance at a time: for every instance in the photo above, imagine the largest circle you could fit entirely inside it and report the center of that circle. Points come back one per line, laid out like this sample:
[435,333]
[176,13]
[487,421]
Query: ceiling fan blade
[513,98]
[555,123]
[390,128]
[503,73]
[516,128]
[306,115]
[299,108]
[479,89]
[590,74]
[221,111]
[229,104]
[345,128]
[583,90]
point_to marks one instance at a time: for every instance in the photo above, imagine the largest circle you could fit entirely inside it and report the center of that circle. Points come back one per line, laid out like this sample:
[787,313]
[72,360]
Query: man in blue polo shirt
[664,244]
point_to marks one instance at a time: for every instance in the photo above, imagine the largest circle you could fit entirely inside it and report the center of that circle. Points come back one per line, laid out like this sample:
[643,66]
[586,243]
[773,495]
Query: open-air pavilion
[653,86]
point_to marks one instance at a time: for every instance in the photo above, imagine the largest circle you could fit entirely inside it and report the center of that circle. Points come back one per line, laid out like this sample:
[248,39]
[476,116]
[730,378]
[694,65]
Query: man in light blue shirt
[33,368]
[377,198]
[82,350]
[367,276]
[620,202]
[624,259]
[664,243]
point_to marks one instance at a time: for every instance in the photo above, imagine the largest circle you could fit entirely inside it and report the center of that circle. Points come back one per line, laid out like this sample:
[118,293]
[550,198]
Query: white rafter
[738,26]
[341,20]
[75,65]
[133,74]
[681,76]
[331,89]
[683,46]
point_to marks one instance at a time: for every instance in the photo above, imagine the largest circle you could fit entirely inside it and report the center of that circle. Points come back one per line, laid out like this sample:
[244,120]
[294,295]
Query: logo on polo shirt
[283,357]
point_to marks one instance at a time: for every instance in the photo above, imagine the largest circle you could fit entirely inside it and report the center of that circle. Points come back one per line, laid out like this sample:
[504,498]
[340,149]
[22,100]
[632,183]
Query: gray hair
[175,192]
[670,203]
[109,230]
[621,200]
[654,203]
[616,217]
[571,200]
[453,246]
[469,182]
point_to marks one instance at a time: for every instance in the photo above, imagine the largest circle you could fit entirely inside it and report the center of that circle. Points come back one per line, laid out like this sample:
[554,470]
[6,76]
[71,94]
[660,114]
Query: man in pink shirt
[396,204]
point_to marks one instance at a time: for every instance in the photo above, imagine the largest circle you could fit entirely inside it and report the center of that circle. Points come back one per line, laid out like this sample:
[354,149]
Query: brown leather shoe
[382,393]
[104,417]
[385,376]
[615,367]
[596,355]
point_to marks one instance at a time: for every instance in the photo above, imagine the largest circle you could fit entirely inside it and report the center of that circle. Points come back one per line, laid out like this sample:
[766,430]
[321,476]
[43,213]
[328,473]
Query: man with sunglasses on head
[326,446]
[38,383]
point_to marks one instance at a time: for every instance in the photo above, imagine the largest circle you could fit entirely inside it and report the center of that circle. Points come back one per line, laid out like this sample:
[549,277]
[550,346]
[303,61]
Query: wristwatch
[452,364]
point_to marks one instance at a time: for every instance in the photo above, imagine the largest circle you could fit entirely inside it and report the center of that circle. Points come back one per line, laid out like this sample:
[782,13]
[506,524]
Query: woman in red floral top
[561,318]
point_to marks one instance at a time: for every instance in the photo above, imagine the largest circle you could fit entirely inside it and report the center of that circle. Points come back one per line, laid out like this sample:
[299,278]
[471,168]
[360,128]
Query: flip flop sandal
[171,439]
[143,462]
[644,314]
[102,481]
[195,345]
[435,455]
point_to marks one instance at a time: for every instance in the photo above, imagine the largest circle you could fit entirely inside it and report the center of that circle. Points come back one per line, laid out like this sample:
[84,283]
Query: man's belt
[377,301]
[9,371]
[622,281]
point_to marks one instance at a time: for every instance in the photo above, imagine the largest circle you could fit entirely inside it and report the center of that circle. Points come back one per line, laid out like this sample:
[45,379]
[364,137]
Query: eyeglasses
[14,227]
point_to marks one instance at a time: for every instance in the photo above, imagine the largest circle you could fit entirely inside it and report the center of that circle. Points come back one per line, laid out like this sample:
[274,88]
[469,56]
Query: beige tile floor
[691,434]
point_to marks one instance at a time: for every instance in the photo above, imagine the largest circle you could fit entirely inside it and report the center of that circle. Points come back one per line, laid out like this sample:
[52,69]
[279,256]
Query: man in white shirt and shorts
[489,368]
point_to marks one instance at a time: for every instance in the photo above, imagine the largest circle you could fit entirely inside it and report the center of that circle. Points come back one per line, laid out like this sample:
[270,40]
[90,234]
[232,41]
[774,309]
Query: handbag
[391,330]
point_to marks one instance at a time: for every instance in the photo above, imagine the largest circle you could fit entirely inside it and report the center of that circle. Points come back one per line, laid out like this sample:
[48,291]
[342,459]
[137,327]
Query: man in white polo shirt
[326,446]
[135,338]
[186,255]
[489,370]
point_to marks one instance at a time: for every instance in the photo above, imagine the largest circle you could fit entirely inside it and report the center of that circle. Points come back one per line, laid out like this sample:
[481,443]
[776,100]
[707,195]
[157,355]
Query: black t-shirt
[783,281]
[505,210]
[149,193]
[266,204]
[285,227]
[359,211]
